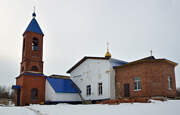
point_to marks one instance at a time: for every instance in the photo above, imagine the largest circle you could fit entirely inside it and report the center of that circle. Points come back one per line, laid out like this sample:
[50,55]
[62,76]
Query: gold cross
[107,46]
[151,52]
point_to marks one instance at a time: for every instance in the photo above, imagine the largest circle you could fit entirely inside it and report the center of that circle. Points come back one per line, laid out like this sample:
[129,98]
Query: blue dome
[34,14]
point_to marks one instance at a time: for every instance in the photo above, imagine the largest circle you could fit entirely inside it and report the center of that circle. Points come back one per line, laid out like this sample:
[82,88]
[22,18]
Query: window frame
[170,86]
[35,44]
[100,88]
[34,68]
[137,84]
[34,94]
[88,90]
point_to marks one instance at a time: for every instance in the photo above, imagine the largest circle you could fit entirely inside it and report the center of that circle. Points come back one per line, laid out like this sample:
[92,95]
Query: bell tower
[30,84]
[32,48]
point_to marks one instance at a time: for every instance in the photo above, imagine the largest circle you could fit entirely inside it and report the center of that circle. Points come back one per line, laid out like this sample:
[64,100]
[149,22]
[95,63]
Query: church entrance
[18,97]
[17,89]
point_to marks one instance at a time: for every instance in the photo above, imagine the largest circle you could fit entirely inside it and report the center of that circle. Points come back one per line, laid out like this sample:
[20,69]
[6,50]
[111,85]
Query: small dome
[108,55]
[34,14]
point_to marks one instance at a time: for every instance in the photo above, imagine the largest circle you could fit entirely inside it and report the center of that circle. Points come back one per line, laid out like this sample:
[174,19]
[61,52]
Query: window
[34,68]
[88,90]
[100,91]
[169,83]
[137,84]
[24,42]
[22,69]
[35,44]
[34,94]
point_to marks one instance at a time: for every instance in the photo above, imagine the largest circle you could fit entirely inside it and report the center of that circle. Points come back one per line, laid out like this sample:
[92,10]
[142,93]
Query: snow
[171,107]
[15,111]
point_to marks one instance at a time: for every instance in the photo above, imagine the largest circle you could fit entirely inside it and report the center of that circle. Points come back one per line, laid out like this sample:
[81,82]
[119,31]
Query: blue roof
[61,85]
[118,61]
[34,27]
[16,87]
[34,74]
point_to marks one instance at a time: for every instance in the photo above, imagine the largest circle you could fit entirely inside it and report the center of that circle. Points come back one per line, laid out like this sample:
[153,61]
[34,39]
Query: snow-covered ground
[171,107]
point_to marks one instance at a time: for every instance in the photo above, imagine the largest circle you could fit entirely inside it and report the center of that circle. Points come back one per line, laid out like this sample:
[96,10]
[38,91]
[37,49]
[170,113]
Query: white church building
[95,77]
[92,78]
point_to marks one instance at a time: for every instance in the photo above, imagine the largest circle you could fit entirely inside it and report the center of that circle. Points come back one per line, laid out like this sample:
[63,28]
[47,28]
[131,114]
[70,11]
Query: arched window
[34,68]
[35,44]
[137,84]
[34,93]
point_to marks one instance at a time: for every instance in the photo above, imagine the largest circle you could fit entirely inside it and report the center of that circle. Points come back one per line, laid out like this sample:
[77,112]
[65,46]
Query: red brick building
[30,84]
[147,77]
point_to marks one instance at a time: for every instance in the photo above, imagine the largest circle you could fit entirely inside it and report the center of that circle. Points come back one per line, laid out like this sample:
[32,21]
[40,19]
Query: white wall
[51,95]
[91,72]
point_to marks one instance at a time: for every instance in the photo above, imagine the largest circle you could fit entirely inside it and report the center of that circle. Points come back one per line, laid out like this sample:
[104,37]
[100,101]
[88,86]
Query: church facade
[91,78]
[95,77]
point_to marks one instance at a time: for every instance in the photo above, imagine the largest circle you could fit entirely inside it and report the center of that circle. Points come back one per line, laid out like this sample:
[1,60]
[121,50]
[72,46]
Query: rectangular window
[100,90]
[169,83]
[24,42]
[88,90]
[137,84]
[34,94]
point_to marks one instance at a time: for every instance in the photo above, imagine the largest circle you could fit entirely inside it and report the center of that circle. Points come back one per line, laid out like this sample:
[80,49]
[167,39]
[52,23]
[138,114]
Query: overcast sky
[77,28]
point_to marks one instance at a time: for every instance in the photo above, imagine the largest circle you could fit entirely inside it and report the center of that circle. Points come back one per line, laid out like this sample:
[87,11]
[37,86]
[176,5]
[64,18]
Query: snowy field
[171,107]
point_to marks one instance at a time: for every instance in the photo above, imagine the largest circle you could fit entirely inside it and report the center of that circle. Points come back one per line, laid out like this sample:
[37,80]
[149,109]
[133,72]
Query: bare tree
[6,92]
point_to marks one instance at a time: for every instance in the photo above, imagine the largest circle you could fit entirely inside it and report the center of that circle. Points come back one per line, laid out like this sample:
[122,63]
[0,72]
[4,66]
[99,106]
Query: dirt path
[36,111]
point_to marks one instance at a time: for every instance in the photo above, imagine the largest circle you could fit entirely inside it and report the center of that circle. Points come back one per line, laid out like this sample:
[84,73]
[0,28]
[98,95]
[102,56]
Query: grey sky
[77,28]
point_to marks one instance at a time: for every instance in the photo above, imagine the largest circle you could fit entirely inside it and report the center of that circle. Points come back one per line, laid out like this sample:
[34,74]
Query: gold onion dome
[108,55]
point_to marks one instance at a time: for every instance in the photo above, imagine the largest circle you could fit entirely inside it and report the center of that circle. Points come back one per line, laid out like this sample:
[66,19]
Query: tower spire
[107,55]
[34,13]
[33,25]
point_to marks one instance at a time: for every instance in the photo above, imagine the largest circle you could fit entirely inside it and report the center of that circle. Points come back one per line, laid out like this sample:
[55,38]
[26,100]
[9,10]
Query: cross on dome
[34,14]
[108,54]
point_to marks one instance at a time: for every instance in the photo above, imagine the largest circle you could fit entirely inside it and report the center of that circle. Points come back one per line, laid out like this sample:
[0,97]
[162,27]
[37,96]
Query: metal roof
[120,62]
[34,27]
[100,58]
[61,85]
[147,59]
[33,74]
[16,87]
[82,60]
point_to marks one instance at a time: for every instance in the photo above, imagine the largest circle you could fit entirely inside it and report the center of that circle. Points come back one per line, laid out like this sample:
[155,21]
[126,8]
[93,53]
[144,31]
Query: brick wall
[29,57]
[27,83]
[154,79]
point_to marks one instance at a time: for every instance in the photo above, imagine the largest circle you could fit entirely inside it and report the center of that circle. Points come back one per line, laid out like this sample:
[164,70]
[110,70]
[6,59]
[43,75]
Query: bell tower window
[35,44]
[24,42]
[22,69]
[34,68]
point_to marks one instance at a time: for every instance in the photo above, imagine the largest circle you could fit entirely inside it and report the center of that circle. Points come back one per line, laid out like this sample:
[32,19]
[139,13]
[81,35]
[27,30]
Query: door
[18,97]
[126,90]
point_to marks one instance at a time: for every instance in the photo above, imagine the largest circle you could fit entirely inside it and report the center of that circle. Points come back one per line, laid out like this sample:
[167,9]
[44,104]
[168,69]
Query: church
[91,78]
